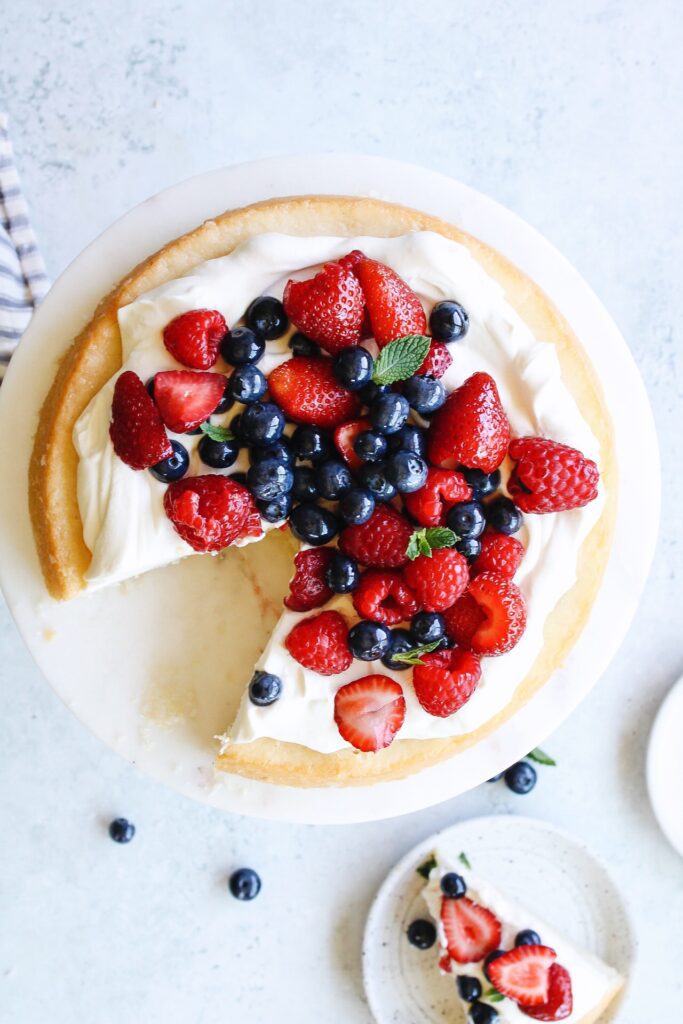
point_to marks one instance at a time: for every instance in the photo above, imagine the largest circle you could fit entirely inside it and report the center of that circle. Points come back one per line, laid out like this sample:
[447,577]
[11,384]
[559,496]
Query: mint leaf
[401,358]
[426,869]
[464,860]
[428,539]
[492,995]
[216,433]
[540,757]
[413,657]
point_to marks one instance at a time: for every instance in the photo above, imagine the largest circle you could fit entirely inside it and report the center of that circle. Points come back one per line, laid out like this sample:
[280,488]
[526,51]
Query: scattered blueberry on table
[244,884]
[121,830]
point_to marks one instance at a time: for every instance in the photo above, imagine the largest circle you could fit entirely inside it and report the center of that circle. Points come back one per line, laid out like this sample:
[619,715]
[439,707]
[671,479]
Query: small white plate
[665,766]
[543,867]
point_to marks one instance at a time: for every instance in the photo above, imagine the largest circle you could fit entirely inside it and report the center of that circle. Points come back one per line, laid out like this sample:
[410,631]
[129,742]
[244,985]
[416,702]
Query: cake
[377,667]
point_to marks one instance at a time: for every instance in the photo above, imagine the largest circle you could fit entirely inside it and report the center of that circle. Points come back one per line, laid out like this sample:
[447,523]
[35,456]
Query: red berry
[446,680]
[550,477]
[351,260]
[209,512]
[472,931]
[437,360]
[394,308]
[369,712]
[308,392]
[471,428]
[329,307]
[560,1001]
[522,974]
[194,338]
[185,398]
[136,428]
[344,436]
[381,542]
[319,643]
[499,553]
[384,596]
[490,617]
[446,964]
[439,579]
[308,588]
[444,488]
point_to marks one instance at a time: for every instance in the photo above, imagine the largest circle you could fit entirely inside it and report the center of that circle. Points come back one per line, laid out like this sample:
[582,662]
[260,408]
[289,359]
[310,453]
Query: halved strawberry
[344,436]
[560,1001]
[186,398]
[395,310]
[308,392]
[490,617]
[471,428]
[369,712]
[522,974]
[136,428]
[194,338]
[472,931]
[329,307]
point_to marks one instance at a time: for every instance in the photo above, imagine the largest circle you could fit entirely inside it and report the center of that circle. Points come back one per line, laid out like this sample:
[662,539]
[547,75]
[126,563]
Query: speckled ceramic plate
[665,766]
[543,867]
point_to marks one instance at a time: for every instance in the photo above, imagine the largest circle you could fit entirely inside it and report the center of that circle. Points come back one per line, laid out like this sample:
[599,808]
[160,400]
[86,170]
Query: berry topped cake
[397,399]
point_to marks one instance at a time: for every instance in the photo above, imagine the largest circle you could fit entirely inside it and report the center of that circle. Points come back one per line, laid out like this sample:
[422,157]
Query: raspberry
[471,428]
[438,580]
[490,617]
[394,308]
[209,512]
[308,392]
[136,428]
[437,360]
[319,643]
[384,597]
[446,680]
[381,542]
[329,307]
[499,553]
[444,488]
[194,338]
[550,477]
[308,588]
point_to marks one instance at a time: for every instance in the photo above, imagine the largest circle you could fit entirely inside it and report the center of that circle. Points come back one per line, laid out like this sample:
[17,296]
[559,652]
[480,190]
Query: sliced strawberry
[136,430]
[560,1001]
[446,680]
[329,307]
[437,360]
[522,974]
[490,617]
[185,399]
[472,931]
[308,392]
[471,428]
[395,310]
[344,436]
[209,512]
[369,712]
[444,488]
[194,338]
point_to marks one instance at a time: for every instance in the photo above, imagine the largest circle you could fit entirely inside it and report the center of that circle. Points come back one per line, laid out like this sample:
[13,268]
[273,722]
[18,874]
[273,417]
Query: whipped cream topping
[128,533]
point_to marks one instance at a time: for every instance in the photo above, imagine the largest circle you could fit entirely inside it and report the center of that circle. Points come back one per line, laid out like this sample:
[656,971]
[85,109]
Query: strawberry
[471,427]
[319,643]
[444,488]
[209,512]
[369,712]
[381,542]
[136,429]
[437,360]
[308,392]
[308,588]
[445,964]
[394,308]
[329,307]
[490,617]
[344,436]
[446,680]
[351,260]
[472,931]
[499,553]
[185,398]
[560,1001]
[438,579]
[384,596]
[194,338]
[550,477]
[522,973]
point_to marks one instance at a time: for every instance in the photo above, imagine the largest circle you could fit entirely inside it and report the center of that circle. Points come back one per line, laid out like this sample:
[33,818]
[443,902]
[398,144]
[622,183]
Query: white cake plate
[137,663]
[665,766]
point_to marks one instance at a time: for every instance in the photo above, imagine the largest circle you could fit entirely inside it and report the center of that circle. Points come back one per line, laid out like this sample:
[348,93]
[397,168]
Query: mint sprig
[414,655]
[426,869]
[540,757]
[216,433]
[492,995]
[463,858]
[428,539]
[401,358]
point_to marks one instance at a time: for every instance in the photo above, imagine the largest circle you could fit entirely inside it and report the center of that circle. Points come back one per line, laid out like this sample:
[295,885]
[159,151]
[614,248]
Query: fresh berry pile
[391,482]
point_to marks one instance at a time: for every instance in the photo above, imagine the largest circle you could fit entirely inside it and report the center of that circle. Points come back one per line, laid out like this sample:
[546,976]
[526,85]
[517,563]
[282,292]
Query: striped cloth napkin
[23,281]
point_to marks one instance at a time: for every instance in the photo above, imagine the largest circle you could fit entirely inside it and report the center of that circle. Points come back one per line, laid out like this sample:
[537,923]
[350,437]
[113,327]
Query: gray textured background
[569,113]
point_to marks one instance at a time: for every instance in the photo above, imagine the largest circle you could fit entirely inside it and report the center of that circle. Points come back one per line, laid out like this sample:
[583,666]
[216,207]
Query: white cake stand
[135,663]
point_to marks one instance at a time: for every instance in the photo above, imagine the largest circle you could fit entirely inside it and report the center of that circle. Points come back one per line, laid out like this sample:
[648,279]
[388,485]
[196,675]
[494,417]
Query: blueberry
[467,519]
[304,487]
[244,884]
[264,688]
[470,547]
[453,885]
[482,483]
[426,627]
[401,642]
[267,317]
[277,509]
[528,937]
[225,403]
[353,367]
[313,524]
[280,450]
[469,988]
[448,321]
[242,346]
[374,479]
[407,472]
[389,412]
[369,641]
[370,392]
[342,574]
[311,444]
[150,387]
[504,516]
[481,1013]
[496,778]
[356,506]
[261,423]
[521,777]
[121,830]
[303,346]
[370,446]
[409,439]
[489,960]
[247,384]
[218,454]
[239,478]
[236,426]
[424,394]
[333,479]
[421,934]
[174,467]
[269,479]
